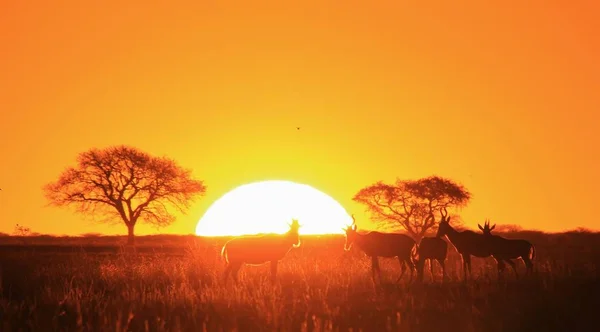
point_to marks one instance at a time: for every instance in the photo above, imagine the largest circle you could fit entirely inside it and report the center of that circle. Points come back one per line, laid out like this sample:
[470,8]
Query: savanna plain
[174,283]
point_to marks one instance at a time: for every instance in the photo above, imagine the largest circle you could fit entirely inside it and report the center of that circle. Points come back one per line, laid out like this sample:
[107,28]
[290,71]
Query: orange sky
[503,98]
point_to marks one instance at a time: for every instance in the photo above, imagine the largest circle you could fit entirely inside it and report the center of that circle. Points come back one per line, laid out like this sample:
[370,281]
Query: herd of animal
[257,250]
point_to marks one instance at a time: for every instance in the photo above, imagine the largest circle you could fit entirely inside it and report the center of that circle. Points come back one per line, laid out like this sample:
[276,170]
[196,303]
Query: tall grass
[320,288]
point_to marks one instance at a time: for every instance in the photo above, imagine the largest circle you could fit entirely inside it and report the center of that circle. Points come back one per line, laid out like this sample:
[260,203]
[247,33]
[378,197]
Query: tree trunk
[130,236]
[420,235]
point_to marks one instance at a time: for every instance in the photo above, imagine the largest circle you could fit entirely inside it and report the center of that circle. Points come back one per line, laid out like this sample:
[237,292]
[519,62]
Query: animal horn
[294,223]
[444,212]
[353,220]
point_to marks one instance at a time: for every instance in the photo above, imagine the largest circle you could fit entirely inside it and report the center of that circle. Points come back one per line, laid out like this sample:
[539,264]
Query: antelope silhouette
[467,242]
[504,250]
[376,244]
[259,249]
[431,248]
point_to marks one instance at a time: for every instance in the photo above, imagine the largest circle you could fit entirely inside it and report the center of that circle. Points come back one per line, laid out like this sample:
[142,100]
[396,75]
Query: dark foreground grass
[320,288]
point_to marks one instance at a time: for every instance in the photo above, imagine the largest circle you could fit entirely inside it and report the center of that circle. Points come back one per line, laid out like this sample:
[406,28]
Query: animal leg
[466,265]
[514,267]
[528,264]
[443,265]
[469,267]
[273,271]
[500,267]
[403,271]
[375,267]
[411,266]
[431,262]
[402,267]
[420,267]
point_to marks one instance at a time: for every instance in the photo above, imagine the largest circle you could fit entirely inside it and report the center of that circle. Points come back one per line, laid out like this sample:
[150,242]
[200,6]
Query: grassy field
[173,284]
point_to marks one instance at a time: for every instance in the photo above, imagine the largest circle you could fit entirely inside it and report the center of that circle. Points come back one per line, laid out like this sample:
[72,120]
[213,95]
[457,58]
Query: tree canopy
[412,204]
[122,183]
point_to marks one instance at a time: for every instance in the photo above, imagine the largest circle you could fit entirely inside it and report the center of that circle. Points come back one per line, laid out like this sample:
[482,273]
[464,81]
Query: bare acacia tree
[412,203]
[21,230]
[123,183]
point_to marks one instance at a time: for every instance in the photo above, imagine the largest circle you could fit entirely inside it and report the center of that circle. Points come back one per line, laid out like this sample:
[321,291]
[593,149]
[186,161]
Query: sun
[268,207]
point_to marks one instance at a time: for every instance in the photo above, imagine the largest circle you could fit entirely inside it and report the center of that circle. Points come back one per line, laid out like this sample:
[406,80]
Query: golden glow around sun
[268,207]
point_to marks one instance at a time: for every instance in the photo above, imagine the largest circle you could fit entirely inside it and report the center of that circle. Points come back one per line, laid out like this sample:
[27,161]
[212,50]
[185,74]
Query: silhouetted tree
[21,230]
[123,183]
[412,203]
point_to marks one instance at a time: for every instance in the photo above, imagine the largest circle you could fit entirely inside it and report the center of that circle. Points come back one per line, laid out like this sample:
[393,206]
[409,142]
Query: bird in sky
[297,128]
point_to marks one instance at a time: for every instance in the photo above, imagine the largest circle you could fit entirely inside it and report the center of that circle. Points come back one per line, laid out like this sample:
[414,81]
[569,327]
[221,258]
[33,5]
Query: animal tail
[224,253]
[531,252]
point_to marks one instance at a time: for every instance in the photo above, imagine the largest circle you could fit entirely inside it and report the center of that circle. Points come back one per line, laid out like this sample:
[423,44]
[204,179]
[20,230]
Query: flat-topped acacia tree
[412,204]
[122,183]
